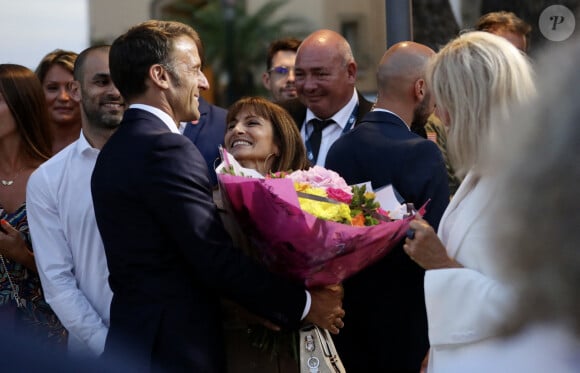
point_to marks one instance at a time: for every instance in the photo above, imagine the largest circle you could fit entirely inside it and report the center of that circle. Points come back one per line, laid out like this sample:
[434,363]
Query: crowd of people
[117,252]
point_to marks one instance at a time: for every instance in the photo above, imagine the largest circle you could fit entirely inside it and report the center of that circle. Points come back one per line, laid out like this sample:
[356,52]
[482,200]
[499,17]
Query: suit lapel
[364,107]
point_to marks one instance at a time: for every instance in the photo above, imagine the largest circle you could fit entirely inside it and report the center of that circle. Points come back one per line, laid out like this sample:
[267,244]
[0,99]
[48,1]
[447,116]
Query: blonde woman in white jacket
[472,78]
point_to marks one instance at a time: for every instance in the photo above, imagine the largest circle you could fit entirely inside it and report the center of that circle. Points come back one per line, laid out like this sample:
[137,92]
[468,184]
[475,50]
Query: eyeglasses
[281,70]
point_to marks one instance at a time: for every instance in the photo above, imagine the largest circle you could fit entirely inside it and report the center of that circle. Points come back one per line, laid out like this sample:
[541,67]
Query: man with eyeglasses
[279,76]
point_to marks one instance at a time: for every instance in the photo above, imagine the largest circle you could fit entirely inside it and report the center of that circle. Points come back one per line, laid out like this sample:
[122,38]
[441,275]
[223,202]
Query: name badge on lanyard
[349,124]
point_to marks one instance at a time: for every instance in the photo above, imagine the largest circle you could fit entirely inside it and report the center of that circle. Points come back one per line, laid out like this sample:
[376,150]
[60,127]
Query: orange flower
[358,220]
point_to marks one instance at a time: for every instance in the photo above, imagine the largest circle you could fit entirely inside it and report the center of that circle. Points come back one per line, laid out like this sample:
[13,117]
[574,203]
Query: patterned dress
[35,318]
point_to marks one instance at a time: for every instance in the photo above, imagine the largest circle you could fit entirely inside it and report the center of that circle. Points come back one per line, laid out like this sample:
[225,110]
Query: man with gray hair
[172,262]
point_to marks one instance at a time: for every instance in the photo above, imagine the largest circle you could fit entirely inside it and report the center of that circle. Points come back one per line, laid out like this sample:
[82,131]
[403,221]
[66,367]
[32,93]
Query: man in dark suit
[325,77]
[169,256]
[383,150]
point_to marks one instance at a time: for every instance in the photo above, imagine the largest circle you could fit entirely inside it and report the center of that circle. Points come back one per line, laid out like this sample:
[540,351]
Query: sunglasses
[281,70]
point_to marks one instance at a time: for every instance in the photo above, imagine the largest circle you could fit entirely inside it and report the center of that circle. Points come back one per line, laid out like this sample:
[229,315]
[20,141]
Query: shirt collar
[83,145]
[390,112]
[169,122]
[340,117]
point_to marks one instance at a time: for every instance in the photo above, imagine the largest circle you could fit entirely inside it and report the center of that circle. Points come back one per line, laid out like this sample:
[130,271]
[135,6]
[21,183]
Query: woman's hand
[425,248]
[13,247]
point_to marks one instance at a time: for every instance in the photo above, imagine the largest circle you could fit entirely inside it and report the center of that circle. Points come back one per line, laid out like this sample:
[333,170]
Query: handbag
[317,352]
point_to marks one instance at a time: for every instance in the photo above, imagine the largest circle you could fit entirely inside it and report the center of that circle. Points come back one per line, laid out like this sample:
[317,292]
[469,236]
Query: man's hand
[326,308]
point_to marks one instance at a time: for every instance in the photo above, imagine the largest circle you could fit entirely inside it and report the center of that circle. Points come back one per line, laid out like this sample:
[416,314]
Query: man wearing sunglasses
[279,76]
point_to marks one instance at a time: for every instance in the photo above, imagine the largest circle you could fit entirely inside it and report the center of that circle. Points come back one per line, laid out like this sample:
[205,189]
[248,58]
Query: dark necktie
[316,135]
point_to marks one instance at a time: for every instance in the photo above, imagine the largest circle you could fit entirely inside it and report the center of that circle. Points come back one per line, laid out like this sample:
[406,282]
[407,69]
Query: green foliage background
[236,51]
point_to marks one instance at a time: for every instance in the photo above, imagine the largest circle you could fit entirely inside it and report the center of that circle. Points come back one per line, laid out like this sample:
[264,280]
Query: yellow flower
[339,212]
[369,195]
[306,188]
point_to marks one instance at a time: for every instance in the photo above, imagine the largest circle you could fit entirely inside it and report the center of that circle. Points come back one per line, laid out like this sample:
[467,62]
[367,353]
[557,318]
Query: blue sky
[29,29]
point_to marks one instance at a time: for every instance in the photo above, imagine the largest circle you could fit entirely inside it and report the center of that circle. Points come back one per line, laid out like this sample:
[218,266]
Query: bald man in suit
[383,150]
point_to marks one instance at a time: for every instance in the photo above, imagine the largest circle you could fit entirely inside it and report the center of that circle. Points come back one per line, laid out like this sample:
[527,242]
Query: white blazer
[465,305]
[539,348]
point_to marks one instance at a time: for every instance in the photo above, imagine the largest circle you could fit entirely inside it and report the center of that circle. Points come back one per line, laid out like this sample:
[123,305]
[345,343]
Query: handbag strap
[317,353]
[15,295]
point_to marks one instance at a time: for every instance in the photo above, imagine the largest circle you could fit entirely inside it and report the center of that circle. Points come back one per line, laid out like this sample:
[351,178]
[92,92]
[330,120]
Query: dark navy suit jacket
[386,321]
[208,133]
[168,254]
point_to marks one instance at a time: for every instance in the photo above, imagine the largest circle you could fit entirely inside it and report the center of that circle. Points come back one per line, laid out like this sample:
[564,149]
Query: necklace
[10,182]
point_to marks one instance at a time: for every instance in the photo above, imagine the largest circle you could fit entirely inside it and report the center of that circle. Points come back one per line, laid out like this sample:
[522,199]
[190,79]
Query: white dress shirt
[69,252]
[331,133]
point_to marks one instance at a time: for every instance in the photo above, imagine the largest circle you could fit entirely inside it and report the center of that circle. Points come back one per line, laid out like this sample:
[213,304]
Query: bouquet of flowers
[310,225]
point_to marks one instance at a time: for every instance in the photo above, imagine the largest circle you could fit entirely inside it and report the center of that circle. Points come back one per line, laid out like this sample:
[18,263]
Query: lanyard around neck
[349,124]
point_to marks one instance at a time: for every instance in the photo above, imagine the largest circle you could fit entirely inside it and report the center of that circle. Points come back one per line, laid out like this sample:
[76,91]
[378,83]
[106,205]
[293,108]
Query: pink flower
[322,178]
[383,212]
[339,195]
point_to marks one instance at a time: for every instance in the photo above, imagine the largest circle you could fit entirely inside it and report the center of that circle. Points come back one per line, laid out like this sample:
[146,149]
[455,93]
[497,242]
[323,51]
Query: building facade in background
[361,22]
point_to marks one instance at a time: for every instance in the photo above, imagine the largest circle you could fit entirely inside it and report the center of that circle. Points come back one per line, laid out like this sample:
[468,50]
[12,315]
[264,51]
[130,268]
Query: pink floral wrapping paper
[301,246]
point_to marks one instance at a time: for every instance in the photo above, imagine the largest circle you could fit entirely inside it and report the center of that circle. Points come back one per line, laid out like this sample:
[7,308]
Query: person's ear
[351,71]
[420,89]
[159,76]
[74,90]
[266,80]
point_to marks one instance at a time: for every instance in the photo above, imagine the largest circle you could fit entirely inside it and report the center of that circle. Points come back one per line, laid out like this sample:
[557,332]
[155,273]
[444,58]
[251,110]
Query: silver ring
[410,233]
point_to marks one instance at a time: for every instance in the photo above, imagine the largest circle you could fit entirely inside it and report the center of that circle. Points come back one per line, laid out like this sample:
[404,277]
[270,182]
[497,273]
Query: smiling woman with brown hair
[24,145]
[263,136]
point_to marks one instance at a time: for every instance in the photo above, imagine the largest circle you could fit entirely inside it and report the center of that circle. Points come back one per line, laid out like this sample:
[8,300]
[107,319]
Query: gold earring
[266,160]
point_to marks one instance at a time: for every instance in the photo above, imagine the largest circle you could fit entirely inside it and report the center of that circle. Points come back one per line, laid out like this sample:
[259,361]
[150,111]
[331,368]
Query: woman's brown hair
[25,98]
[286,135]
[60,57]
